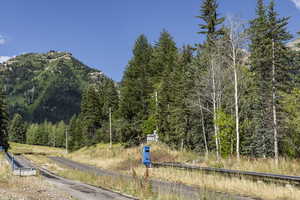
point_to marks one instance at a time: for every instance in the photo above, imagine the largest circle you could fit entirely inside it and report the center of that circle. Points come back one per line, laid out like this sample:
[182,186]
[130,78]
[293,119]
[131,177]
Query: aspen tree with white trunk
[210,84]
[236,39]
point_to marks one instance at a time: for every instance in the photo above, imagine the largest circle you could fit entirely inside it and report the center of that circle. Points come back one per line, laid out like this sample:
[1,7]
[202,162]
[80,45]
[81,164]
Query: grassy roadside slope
[34,149]
[119,158]
[128,160]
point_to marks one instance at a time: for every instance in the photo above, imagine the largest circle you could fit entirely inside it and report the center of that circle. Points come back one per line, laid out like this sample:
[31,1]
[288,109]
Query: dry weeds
[26,188]
[34,149]
[124,160]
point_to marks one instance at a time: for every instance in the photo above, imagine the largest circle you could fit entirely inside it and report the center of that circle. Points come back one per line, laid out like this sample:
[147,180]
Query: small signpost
[152,137]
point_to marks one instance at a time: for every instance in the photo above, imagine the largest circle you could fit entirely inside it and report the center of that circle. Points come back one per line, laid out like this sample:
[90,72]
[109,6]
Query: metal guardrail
[266,177]
[17,168]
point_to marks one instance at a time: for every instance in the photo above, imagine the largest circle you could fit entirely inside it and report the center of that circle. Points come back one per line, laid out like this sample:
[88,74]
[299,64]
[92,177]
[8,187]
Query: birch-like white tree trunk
[274,104]
[203,129]
[237,39]
[214,101]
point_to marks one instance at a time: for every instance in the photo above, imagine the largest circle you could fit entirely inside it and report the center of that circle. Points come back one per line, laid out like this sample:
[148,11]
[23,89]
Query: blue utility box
[146,156]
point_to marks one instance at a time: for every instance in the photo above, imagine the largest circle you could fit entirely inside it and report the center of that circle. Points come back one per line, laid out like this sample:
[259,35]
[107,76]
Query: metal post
[156,103]
[12,162]
[110,132]
[66,141]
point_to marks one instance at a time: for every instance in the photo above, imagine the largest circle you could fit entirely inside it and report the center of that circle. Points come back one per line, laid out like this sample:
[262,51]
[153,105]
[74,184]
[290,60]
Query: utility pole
[156,103]
[110,132]
[66,141]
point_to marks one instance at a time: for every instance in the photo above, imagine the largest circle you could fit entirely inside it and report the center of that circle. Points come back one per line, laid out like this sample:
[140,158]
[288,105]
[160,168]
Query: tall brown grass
[34,149]
[124,160]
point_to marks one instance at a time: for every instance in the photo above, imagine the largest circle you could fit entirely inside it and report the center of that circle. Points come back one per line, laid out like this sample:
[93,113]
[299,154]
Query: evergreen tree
[165,58]
[75,136]
[278,36]
[269,63]
[31,134]
[91,113]
[136,89]
[60,130]
[211,19]
[260,65]
[17,129]
[180,117]
[97,100]
[3,122]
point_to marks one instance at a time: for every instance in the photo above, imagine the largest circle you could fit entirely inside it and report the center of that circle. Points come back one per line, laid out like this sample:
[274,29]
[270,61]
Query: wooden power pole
[66,140]
[110,132]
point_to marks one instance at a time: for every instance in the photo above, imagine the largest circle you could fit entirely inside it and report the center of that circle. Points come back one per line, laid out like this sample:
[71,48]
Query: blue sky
[101,33]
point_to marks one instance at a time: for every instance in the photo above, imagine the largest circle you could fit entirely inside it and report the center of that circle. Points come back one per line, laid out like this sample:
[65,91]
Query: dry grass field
[124,160]
[224,184]
[34,149]
[119,158]
[139,187]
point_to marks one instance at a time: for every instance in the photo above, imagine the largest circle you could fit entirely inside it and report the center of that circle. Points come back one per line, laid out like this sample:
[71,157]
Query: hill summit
[295,44]
[46,86]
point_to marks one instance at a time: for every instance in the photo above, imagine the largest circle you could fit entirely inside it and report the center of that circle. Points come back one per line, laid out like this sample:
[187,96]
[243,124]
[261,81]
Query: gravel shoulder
[77,190]
[27,188]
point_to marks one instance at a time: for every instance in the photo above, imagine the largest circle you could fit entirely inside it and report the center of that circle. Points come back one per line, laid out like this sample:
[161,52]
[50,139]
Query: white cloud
[297,3]
[2,40]
[4,58]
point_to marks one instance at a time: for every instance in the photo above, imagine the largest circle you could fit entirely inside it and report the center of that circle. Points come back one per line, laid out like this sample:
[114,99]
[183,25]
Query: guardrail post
[13,163]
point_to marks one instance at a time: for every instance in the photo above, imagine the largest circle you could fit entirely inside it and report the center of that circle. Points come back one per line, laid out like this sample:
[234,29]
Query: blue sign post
[146,156]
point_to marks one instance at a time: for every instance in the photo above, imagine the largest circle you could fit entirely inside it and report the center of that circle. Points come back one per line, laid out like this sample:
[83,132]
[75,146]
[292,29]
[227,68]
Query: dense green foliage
[210,17]
[236,92]
[136,91]
[17,129]
[47,134]
[91,126]
[268,32]
[3,122]
[45,86]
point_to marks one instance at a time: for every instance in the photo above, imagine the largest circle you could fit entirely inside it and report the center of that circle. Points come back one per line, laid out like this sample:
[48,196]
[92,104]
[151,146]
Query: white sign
[152,137]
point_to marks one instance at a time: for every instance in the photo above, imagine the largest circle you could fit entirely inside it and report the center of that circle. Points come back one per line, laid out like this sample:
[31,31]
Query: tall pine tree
[3,122]
[278,36]
[261,68]
[211,19]
[136,91]
[165,59]
[17,129]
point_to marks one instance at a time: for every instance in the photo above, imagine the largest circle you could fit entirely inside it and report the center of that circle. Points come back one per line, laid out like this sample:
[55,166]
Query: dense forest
[236,93]
[45,86]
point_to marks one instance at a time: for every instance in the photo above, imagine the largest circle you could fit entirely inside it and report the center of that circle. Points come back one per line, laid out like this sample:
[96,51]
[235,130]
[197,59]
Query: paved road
[187,192]
[78,190]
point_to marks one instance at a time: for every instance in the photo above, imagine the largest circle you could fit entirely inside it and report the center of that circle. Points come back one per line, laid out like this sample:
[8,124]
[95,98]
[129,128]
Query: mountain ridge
[46,86]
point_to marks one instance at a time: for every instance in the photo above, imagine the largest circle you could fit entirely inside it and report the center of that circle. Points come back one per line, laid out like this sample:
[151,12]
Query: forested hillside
[235,93]
[45,86]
